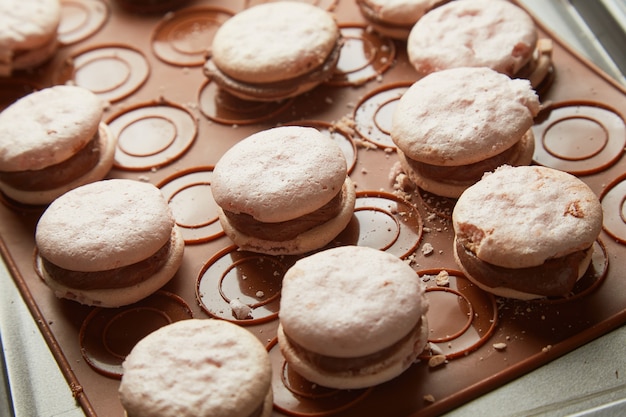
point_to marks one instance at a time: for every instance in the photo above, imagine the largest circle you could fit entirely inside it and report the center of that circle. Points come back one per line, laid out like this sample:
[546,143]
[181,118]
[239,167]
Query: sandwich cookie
[453,125]
[108,243]
[274,51]
[197,368]
[526,232]
[28,33]
[351,317]
[479,33]
[283,191]
[395,18]
[51,141]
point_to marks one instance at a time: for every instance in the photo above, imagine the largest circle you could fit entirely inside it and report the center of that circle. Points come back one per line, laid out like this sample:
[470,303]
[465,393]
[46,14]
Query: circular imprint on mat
[613,199]
[107,335]
[222,107]
[336,133]
[188,194]
[385,222]
[113,72]
[245,278]
[152,135]
[461,316]
[373,114]
[80,19]
[579,137]
[184,37]
[297,396]
[322,4]
[364,56]
[12,89]
[441,206]
[593,278]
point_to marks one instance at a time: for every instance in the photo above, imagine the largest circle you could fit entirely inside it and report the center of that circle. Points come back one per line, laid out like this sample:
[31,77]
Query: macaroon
[51,141]
[454,125]
[526,232]
[274,51]
[28,33]
[480,33]
[197,368]
[395,18]
[351,317]
[283,191]
[108,243]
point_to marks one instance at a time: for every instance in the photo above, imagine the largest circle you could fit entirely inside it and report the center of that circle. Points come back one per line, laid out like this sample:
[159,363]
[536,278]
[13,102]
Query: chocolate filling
[462,174]
[122,277]
[279,89]
[554,278]
[59,174]
[354,365]
[290,229]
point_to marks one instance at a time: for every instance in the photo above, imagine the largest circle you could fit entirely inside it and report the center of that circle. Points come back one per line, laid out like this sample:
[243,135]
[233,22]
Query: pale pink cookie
[526,232]
[52,141]
[473,33]
[274,51]
[108,243]
[197,368]
[352,317]
[283,191]
[28,33]
[453,125]
[395,18]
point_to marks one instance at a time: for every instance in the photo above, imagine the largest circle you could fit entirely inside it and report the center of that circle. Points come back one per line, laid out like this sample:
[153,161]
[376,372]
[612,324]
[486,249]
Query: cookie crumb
[429,398]
[434,349]
[240,310]
[427,249]
[443,279]
[499,346]
[436,360]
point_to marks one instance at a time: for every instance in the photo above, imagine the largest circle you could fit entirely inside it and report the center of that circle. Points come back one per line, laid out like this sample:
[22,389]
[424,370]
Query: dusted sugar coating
[398,12]
[274,41]
[104,225]
[279,174]
[27,24]
[519,217]
[473,33]
[47,127]
[350,301]
[462,115]
[199,368]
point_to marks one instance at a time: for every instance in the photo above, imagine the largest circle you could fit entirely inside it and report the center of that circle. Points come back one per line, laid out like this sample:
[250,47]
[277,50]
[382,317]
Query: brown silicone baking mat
[173,125]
